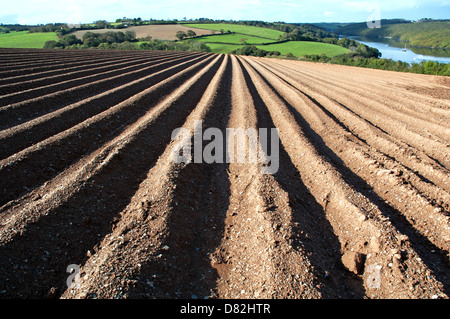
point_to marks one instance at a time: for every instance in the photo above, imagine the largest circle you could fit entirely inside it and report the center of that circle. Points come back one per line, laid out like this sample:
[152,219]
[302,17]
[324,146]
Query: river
[391,49]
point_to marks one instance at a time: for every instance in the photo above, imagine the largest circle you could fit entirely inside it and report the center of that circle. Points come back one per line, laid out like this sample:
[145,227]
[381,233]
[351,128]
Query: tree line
[252,50]
[91,39]
[119,40]
[181,35]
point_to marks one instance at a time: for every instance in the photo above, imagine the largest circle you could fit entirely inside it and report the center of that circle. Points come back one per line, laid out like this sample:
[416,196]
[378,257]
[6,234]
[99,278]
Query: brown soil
[160,31]
[359,207]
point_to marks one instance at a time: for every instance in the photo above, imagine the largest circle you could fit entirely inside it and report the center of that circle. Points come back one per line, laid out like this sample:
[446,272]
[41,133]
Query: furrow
[74,67]
[68,83]
[48,60]
[85,201]
[421,215]
[393,90]
[370,245]
[21,136]
[256,258]
[79,74]
[55,67]
[24,111]
[418,163]
[51,98]
[393,96]
[161,228]
[299,180]
[34,164]
[305,227]
[431,139]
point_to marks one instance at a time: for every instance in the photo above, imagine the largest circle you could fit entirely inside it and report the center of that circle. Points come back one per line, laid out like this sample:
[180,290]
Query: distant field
[297,48]
[244,29]
[25,40]
[234,38]
[156,31]
[253,36]
[301,48]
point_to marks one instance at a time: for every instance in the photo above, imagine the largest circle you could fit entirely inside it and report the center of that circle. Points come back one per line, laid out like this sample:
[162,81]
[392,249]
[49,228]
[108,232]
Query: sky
[290,11]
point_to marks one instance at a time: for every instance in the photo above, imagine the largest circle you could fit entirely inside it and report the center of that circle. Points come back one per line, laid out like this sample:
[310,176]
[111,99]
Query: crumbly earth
[358,208]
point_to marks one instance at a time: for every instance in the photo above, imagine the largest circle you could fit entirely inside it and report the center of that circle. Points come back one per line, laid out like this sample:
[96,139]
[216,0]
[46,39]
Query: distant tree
[181,35]
[275,53]
[101,24]
[51,44]
[367,52]
[191,33]
[130,35]
[68,40]
[344,42]
[104,46]
[243,41]
[146,38]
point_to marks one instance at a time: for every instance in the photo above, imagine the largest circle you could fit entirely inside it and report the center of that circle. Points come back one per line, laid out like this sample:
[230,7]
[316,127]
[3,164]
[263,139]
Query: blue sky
[84,11]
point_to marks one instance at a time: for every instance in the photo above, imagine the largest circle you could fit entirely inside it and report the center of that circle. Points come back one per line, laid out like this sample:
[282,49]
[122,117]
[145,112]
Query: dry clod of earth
[354,262]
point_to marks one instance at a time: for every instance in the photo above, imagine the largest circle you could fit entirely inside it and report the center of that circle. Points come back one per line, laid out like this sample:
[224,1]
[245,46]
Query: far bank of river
[391,49]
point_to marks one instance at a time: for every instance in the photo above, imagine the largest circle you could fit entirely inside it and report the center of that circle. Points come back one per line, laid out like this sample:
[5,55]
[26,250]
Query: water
[391,49]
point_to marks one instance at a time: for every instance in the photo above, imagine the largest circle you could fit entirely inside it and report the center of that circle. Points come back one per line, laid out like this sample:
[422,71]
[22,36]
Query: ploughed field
[358,208]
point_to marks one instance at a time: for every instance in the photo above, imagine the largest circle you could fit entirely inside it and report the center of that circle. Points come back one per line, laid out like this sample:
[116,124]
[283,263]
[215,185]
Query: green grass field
[25,40]
[243,29]
[297,48]
[254,34]
[234,38]
[429,34]
[301,48]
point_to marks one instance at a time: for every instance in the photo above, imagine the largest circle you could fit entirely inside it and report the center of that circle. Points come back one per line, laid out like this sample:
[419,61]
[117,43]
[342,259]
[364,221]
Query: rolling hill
[434,34]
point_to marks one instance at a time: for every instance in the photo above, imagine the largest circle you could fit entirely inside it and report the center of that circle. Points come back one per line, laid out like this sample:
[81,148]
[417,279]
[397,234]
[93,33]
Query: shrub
[51,44]
[250,50]
[191,33]
[181,35]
